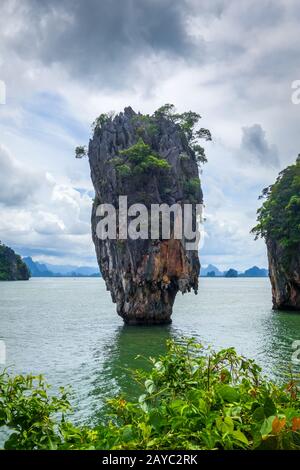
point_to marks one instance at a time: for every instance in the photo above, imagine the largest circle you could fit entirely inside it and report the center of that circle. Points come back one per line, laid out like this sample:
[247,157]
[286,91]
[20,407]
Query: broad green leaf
[229,393]
[225,425]
[258,415]
[127,433]
[269,407]
[240,436]
[150,386]
[266,427]
[142,398]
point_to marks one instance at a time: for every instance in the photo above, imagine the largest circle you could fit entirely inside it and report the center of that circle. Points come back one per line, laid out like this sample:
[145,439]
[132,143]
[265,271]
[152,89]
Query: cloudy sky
[66,61]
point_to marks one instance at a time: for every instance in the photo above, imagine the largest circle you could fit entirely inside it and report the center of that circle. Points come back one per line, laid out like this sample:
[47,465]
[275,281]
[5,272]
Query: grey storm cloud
[255,145]
[254,15]
[104,42]
[101,40]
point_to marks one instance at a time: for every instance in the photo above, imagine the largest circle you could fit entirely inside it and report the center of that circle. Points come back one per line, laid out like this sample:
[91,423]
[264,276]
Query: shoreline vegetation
[192,398]
[12,267]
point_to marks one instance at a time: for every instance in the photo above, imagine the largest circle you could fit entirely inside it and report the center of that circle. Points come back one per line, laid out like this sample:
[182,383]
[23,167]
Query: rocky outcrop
[144,275]
[37,269]
[279,224]
[12,267]
[284,276]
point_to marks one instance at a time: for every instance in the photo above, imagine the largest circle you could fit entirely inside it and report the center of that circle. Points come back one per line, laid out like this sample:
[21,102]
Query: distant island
[12,268]
[213,271]
[50,270]
[38,269]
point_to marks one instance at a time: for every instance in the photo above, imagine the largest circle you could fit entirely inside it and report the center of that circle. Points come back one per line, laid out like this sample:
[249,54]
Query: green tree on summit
[279,216]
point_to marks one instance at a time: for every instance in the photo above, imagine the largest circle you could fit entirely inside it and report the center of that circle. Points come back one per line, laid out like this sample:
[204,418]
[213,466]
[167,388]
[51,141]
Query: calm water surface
[67,329]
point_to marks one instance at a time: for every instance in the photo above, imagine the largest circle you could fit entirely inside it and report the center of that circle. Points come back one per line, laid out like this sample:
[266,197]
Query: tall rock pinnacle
[151,160]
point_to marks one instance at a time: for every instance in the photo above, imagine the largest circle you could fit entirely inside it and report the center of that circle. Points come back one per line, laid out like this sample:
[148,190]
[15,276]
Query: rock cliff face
[279,225]
[12,267]
[144,275]
[285,277]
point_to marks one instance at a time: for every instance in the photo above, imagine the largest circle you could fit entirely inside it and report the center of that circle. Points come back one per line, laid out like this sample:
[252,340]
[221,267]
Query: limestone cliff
[12,267]
[279,225]
[144,275]
[285,278]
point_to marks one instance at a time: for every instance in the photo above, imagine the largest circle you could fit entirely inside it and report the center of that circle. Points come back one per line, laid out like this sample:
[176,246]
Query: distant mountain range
[52,270]
[55,270]
[207,272]
[213,271]
[255,272]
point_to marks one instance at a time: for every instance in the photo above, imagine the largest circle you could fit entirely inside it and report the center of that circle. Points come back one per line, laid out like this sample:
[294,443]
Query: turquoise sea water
[68,330]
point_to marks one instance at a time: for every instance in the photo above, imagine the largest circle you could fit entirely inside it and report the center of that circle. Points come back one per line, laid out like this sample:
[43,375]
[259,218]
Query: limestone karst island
[153,160]
[150,232]
[279,224]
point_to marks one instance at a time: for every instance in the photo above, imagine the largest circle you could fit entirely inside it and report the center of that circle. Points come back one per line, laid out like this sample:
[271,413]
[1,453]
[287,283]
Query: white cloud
[53,218]
[48,223]
[17,183]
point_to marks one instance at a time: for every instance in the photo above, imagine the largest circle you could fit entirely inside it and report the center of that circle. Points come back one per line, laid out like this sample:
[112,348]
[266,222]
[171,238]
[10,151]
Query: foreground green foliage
[192,399]
[279,216]
[26,408]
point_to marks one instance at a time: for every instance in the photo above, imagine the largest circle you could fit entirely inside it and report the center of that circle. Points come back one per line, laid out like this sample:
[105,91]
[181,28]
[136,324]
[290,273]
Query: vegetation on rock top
[139,159]
[186,121]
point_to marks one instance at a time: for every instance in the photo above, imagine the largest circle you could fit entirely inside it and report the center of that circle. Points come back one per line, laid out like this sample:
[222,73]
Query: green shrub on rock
[139,159]
[279,217]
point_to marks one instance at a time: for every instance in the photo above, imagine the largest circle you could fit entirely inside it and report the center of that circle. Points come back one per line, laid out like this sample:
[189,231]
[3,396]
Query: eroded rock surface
[144,276]
[285,277]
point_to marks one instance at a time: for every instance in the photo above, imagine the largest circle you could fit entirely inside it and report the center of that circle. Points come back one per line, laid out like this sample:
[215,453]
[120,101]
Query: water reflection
[269,340]
[79,340]
[129,349]
[281,329]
